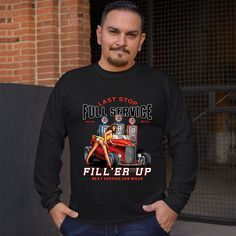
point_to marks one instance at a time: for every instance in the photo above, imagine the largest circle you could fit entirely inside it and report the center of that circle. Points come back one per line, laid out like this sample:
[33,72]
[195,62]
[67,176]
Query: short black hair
[122,5]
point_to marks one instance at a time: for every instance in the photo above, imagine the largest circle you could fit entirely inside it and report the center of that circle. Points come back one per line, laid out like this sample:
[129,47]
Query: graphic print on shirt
[112,151]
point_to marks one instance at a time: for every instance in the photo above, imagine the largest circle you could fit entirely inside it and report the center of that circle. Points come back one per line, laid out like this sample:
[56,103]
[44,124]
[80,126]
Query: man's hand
[164,214]
[59,213]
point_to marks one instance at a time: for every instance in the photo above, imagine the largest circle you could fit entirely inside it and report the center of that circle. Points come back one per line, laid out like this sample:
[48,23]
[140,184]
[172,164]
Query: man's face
[120,38]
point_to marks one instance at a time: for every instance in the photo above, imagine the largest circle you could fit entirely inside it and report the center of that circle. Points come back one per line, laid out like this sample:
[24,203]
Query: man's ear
[143,37]
[99,32]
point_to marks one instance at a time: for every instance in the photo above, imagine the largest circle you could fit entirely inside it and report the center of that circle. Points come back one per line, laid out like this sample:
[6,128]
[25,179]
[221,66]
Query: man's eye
[113,32]
[132,35]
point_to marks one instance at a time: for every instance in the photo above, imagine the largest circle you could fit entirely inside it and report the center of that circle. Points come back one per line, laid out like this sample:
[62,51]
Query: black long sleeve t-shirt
[144,105]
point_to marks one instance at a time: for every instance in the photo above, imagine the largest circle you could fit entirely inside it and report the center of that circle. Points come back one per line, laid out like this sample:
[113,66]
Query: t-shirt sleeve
[48,161]
[183,149]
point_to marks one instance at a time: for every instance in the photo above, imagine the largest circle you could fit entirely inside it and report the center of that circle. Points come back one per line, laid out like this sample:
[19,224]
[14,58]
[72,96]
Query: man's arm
[183,150]
[48,157]
[50,146]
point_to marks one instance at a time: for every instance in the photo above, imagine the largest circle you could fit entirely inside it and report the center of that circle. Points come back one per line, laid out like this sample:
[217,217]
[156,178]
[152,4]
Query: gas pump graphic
[132,131]
[103,127]
[120,125]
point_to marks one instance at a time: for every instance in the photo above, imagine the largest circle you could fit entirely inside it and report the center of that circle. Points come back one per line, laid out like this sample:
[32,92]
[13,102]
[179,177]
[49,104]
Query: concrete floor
[186,228]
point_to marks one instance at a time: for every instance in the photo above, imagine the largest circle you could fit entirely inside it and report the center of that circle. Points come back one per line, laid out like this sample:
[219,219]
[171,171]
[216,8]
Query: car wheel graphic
[145,159]
[114,159]
[86,152]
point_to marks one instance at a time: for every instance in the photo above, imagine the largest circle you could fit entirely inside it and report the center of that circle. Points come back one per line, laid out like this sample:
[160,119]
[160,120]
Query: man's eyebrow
[129,32]
[133,32]
[112,28]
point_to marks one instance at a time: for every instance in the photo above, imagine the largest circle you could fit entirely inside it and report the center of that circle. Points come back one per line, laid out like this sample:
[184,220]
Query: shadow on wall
[21,109]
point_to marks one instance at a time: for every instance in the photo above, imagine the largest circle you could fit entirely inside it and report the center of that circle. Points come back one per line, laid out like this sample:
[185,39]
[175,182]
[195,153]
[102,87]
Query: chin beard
[117,62]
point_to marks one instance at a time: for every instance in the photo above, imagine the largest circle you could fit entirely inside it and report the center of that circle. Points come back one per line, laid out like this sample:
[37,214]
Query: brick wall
[40,40]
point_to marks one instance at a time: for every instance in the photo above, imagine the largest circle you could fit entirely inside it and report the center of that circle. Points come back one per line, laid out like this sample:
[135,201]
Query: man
[130,198]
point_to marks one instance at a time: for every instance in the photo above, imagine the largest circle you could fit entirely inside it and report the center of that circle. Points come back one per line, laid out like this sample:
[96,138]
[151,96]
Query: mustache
[120,49]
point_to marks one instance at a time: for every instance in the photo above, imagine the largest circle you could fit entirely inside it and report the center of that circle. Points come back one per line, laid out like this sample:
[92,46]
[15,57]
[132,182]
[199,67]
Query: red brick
[9,79]
[46,50]
[87,30]
[28,38]
[84,8]
[3,20]
[73,48]
[45,4]
[9,7]
[3,60]
[71,62]
[10,34]
[74,44]
[64,50]
[46,17]
[43,37]
[46,10]
[88,56]
[69,42]
[10,26]
[83,35]
[47,23]
[27,77]
[10,40]
[10,66]
[47,63]
[24,72]
[67,29]
[3,33]
[48,57]
[67,68]
[9,59]
[71,35]
[9,53]
[24,45]
[69,3]
[2,7]
[66,16]
[23,12]
[84,49]
[29,24]
[3,73]
[47,82]
[24,31]
[21,18]
[83,62]
[6,14]
[84,55]
[9,72]
[30,81]
[51,75]
[28,51]
[70,55]
[24,58]
[81,42]
[87,42]
[47,43]
[28,64]
[47,30]
[23,5]
[44,70]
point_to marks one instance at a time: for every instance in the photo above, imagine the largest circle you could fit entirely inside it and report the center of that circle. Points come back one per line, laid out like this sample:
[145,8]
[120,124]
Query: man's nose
[121,41]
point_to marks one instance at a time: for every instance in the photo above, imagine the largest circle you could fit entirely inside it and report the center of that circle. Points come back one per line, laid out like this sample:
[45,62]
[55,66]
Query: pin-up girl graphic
[103,141]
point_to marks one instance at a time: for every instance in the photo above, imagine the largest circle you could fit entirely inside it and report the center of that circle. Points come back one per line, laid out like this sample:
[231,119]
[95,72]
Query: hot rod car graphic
[122,152]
